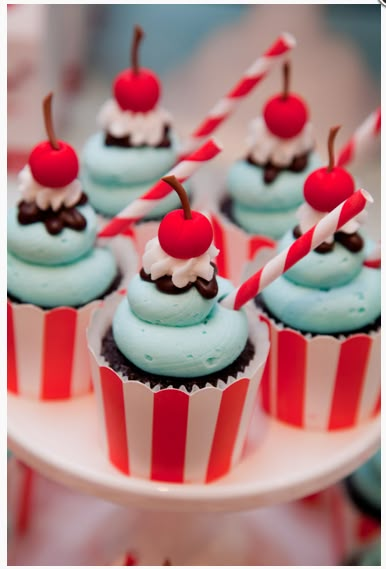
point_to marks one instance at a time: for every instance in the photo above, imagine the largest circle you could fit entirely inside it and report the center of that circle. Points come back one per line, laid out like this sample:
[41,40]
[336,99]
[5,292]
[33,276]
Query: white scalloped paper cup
[47,355]
[321,382]
[169,434]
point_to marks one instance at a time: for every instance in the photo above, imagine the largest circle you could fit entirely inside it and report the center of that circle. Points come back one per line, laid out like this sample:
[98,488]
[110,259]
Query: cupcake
[136,144]
[176,374]
[55,274]
[264,188]
[323,371]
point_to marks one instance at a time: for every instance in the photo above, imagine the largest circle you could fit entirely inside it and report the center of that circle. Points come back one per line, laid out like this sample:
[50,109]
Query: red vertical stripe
[352,365]
[11,352]
[228,421]
[291,377]
[265,380]
[114,408]
[258,242]
[58,353]
[170,421]
[219,241]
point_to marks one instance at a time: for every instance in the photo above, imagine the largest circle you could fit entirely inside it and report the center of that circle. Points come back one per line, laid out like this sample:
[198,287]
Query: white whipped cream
[143,128]
[265,146]
[44,197]
[308,217]
[157,264]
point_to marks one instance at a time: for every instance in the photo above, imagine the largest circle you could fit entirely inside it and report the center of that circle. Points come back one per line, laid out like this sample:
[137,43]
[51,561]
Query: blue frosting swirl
[57,270]
[262,208]
[113,176]
[326,293]
[33,244]
[178,335]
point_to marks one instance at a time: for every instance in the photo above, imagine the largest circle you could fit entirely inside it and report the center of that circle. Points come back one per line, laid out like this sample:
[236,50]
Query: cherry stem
[286,79]
[179,188]
[47,112]
[331,140]
[138,35]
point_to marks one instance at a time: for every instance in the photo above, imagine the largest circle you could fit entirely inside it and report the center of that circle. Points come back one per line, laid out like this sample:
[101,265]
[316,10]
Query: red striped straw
[297,250]
[373,260]
[137,209]
[361,139]
[253,75]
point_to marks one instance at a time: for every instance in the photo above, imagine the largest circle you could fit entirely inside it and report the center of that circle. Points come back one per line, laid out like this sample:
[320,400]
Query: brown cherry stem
[179,188]
[286,79]
[47,113]
[331,140]
[138,35]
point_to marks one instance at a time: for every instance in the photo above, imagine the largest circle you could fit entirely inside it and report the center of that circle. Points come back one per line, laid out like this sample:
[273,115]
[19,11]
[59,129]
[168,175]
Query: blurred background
[199,52]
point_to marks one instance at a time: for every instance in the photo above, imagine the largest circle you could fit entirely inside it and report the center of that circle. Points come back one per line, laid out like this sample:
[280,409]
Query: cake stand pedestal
[280,464]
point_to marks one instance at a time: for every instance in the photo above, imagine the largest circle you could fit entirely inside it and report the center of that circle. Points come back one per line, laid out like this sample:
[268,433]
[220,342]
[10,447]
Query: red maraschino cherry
[285,114]
[184,233]
[326,188]
[53,163]
[137,89]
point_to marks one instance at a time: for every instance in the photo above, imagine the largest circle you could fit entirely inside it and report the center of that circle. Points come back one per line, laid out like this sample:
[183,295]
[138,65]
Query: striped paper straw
[361,139]
[373,260]
[297,250]
[143,205]
[253,75]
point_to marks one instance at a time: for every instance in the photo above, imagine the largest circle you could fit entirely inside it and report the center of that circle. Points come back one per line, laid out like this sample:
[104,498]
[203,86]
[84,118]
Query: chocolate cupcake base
[119,363]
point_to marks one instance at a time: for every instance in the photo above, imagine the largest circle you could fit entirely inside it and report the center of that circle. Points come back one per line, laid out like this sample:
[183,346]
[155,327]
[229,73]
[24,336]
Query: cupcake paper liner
[236,247]
[321,382]
[169,434]
[47,353]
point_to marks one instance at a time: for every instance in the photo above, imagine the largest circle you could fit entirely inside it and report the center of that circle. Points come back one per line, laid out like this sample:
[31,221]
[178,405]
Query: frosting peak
[143,128]
[157,263]
[44,197]
[266,147]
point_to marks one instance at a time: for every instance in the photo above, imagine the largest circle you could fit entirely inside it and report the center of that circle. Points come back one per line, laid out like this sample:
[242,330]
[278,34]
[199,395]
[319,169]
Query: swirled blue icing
[73,284]
[113,176]
[185,345]
[262,208]
[33,244]
[326,293]
[57,270]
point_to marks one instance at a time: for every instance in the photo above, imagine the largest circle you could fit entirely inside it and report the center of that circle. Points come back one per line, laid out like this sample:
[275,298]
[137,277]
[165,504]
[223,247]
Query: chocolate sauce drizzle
[207,289]
[271,171]
[124,141]
[353,242]
[54,221]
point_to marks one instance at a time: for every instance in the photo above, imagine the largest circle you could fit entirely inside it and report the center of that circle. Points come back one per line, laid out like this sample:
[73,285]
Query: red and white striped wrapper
[47,355]
[140,207]
[252,77]
[321,382]
[361,140]
[236,246]
[171,435]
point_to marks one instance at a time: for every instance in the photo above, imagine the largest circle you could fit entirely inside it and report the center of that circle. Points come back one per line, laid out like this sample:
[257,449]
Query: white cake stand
[281,463]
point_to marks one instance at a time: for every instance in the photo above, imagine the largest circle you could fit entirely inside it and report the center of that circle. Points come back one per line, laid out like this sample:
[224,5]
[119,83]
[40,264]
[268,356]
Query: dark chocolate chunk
[271,171]
[207,289]
[54,221]
[125,142]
